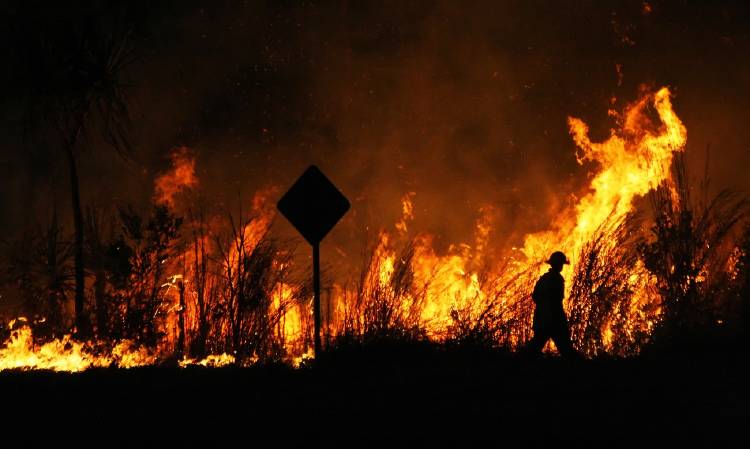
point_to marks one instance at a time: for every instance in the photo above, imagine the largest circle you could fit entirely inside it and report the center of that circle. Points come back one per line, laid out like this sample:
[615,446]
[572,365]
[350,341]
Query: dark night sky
[464,104]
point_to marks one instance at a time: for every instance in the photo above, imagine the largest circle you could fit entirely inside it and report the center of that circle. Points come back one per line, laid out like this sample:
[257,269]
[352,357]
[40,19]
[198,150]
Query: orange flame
[179,178]
[66,354]
[634,160]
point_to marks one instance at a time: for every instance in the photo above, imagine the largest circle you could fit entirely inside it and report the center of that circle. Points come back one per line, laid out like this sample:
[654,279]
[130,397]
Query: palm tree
[71,74]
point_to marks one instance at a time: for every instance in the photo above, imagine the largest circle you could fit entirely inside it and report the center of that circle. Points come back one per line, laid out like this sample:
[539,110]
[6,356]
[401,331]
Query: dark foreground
[395,396]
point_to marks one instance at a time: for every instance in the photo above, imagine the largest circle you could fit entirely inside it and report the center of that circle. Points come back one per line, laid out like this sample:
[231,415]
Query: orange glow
[179,178]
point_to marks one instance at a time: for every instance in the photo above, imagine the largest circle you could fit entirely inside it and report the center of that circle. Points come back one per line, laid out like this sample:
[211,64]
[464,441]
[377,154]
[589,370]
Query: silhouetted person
[549,316]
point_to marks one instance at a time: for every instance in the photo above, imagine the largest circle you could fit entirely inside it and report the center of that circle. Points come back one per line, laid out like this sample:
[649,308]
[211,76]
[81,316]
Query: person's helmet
[558,258]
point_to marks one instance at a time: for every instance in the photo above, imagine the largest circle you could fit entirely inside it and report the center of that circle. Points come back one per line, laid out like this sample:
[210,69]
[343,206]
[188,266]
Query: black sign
[313,205]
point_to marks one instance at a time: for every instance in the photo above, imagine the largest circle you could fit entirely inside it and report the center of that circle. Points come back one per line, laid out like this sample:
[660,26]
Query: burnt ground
[395,395]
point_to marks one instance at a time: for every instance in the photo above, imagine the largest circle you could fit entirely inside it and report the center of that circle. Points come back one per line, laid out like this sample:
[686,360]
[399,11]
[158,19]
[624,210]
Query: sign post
[316,295]
[313,205]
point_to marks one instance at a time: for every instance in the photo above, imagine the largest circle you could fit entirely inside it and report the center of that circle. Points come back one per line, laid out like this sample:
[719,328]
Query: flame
[126,354]
[632,161]
[421,285]
[291,325]
[57,355]
[635,159]
[252,233]
[179,178]
[66,354]
[211,361]
[441,283]
[407,213]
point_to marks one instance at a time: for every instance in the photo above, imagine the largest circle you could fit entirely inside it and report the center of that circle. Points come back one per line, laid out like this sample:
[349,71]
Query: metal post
[316,296]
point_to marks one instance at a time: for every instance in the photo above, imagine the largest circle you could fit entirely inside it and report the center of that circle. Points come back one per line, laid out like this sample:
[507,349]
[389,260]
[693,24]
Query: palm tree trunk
[80,321]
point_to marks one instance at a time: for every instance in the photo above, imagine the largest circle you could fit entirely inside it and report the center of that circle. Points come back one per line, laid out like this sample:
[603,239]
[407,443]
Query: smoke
[464,105]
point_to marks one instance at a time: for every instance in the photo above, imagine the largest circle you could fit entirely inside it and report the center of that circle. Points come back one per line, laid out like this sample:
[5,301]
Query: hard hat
[557,258]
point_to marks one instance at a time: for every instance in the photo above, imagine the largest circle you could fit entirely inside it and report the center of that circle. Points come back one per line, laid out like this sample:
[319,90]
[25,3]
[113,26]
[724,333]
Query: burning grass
[183,286]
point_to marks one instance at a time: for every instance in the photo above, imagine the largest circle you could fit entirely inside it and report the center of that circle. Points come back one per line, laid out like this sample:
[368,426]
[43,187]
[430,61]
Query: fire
[58,355]
[127,354]
[211,361]
[440,283]
[66,354]
[407,283]
[449,282]
[635,159]
[252,233]
[180,178]
[407,213]
[291,323]
[632,161]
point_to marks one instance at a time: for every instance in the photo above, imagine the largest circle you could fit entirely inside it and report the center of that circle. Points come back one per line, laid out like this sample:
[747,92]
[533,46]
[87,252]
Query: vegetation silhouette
[69,74]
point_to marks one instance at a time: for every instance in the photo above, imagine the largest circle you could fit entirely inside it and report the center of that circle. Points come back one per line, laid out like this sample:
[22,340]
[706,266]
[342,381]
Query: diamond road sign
[313,205]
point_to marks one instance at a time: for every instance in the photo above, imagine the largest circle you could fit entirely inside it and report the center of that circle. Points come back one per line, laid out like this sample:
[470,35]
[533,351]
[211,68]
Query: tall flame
[635,159]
